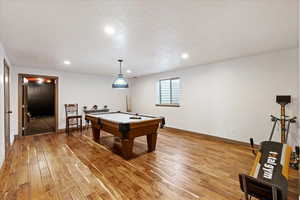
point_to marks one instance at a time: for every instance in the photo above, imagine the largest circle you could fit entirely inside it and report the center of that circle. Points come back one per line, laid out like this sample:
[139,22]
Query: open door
[7,111]
[25,115]
[38,104]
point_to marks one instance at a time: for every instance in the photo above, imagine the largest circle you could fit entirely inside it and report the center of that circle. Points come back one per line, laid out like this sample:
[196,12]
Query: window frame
[159,88]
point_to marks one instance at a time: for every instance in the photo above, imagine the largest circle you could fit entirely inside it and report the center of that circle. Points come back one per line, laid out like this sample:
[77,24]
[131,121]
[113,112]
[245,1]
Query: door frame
[7,142]
[20,97]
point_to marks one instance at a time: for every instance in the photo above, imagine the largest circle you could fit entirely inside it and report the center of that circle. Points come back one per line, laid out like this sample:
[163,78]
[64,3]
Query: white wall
[2,144]
[2,135]
[73,88]
[231,99]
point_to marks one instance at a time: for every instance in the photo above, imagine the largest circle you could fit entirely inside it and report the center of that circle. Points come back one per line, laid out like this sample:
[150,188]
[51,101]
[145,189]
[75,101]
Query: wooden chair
[72,117]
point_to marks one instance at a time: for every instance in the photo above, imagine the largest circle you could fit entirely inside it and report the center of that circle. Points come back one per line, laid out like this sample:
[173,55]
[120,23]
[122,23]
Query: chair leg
[81,125]
[67,127]
[86,125]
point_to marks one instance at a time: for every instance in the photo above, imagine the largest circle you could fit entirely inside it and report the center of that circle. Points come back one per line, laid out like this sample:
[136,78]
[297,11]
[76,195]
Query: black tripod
[284,130]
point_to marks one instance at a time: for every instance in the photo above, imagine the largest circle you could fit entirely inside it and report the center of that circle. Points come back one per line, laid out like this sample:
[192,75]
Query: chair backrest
[71,109]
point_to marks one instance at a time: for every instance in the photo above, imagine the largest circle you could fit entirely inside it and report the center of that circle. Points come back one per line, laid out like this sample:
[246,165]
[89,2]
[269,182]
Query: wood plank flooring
[184,166]
[41,124]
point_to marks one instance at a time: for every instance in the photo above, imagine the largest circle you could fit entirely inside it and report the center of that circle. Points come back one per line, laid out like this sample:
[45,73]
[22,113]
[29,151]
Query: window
[169,92]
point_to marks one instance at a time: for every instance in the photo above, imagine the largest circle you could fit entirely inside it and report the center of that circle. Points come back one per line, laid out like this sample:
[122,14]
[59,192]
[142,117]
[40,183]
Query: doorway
[38,104]
[7,111]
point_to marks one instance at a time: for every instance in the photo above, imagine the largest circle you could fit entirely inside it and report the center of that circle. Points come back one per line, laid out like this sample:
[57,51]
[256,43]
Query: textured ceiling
[149,35]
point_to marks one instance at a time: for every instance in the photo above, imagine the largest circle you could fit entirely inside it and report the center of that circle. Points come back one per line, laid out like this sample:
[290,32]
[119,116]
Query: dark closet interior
[41,99]
[40,106]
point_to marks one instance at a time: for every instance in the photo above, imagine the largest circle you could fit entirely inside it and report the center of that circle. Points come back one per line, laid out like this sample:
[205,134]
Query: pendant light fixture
[120,81]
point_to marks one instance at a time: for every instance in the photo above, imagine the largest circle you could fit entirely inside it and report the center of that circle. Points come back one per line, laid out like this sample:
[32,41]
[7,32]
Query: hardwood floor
[40,125]
[184,166]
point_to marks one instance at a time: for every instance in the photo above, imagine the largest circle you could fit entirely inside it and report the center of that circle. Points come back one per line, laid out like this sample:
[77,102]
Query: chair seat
[74,116]
[72,124]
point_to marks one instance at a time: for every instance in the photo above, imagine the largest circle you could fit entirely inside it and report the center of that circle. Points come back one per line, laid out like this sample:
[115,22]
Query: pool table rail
[99,116]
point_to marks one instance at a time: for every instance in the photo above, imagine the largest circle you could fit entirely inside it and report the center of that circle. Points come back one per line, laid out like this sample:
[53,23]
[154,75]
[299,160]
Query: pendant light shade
[120,81]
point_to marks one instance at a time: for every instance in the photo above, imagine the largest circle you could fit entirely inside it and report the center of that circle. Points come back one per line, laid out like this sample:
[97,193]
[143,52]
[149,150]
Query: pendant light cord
[120,65]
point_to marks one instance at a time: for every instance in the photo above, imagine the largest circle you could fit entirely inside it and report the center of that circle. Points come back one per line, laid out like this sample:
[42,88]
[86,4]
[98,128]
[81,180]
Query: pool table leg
[151,141]
[127,145]
[96,134]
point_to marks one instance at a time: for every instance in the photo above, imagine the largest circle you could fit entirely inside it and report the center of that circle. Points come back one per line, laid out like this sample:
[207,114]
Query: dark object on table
[72,117]
[135,117]
[84,107]
[163,120]
[95,107]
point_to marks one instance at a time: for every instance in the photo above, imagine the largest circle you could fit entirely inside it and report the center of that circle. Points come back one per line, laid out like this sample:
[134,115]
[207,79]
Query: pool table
[126,126]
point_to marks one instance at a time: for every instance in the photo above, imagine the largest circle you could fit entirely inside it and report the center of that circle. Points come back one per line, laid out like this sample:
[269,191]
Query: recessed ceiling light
[67,62]
[128,71]
[185,55]
[109,30]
